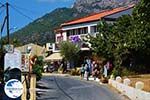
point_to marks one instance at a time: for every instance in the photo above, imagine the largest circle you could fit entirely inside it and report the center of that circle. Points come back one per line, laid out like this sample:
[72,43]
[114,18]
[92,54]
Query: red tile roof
[97,16]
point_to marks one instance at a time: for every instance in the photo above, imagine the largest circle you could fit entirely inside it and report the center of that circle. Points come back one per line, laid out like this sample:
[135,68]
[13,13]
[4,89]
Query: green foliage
[38,67]
[69,51]
[15,42]
[127,40]
[101,44]
[142,12]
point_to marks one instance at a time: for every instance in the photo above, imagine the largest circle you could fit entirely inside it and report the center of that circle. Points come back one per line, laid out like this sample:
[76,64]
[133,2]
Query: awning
[54,57]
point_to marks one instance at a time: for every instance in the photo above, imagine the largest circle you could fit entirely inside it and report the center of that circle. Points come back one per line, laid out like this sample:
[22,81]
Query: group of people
[95,69]
[52,66]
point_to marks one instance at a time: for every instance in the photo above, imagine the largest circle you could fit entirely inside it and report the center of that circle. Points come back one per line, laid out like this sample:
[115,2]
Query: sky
[32,9]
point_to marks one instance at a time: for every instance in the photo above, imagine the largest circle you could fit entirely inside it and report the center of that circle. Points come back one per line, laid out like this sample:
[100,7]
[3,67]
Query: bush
[38,67]
[75,71]
[116,72]
[123,71]
[126,72]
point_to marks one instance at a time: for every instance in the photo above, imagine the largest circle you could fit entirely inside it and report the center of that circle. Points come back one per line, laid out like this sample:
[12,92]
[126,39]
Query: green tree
[38,67]
[101,44]
[128,38]
[110,43]
[142,31]
[69,51]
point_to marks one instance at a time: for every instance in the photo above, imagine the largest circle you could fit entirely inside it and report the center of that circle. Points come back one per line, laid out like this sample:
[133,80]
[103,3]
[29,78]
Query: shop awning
[54,57]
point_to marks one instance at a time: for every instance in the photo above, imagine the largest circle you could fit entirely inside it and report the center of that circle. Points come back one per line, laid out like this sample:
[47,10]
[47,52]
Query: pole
[7,17]
[27,86]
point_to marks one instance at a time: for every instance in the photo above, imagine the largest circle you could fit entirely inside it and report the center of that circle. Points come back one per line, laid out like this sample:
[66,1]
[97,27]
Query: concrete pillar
[126,81]
[33,87]
[139,85]
[89,29]
[112,77]
[23,97]
[119,79]
[64,36]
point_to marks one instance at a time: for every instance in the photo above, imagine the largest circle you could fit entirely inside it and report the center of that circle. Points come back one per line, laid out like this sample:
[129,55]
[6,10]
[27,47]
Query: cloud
[52,1]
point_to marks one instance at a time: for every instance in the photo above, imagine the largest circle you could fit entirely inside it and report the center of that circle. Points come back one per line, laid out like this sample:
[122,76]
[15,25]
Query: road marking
[81,87]
[44,90]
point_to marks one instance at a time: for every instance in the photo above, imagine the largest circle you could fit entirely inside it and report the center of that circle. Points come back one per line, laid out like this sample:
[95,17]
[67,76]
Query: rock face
[91,6]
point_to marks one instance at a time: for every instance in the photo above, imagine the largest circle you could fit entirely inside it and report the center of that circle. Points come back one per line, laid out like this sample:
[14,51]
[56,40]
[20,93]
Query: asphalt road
[66,88]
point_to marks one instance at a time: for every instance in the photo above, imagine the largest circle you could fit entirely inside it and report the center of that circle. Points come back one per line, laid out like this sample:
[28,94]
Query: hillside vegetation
[41,30]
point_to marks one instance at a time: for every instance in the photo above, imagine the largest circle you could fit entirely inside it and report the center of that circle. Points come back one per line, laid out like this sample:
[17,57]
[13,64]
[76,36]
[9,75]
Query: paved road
[66,88]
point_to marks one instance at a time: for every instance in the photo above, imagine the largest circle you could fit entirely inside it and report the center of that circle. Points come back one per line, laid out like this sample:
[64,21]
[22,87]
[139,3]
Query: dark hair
[104,62]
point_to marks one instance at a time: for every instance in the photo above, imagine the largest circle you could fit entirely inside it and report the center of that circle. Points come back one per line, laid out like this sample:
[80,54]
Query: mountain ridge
[41,30]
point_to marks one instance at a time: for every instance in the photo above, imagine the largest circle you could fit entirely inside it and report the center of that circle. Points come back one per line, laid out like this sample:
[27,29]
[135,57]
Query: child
[82,71]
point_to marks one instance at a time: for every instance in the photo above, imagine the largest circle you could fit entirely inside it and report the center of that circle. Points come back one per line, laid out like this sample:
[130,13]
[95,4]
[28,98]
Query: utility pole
[5,20]
[7,17]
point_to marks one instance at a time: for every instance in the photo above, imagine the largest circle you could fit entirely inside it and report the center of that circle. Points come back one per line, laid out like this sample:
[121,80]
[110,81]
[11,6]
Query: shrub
[38,67]
[75,71]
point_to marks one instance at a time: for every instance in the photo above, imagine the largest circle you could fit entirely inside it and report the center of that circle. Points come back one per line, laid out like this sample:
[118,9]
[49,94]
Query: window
[77,31]
[94,29]
[68,33]
[59,38]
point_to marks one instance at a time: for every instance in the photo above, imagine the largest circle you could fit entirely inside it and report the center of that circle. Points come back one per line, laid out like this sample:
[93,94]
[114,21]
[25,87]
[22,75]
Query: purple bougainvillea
[75,39]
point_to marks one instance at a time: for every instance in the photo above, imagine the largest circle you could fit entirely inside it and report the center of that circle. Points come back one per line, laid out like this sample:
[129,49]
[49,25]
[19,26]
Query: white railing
[131,92]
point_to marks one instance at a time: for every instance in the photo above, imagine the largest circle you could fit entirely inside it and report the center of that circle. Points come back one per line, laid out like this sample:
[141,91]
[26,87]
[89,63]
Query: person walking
[82,71]
[87,71]
[96,71]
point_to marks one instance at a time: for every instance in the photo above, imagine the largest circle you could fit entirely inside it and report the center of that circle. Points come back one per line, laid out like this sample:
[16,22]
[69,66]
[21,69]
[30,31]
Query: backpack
[87,69]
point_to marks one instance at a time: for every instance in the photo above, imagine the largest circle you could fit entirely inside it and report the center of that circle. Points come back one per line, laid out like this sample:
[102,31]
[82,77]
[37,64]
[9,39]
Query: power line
[21,13]
[2,5]
[16,6]
[2,11]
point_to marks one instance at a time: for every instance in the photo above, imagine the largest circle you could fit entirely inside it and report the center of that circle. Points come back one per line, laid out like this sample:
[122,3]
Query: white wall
[79,25]
[59,34]
[76,26]
[132,93]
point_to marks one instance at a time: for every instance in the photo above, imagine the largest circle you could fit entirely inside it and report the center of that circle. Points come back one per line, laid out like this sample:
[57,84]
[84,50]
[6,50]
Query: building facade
[76,30]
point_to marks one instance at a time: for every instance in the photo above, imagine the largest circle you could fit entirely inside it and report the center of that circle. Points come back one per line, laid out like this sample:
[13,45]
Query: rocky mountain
[90,6]
[41,30]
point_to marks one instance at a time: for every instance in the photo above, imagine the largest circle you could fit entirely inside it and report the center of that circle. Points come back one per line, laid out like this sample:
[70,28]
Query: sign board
[25,63]
[13,88]
[48,47]
[12,60]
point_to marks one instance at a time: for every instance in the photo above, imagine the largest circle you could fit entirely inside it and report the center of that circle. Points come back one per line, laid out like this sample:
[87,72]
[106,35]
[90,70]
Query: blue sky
[32,8]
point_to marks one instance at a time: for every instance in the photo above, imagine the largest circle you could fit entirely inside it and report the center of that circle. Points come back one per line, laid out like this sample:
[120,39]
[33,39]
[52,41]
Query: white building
[76,30]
